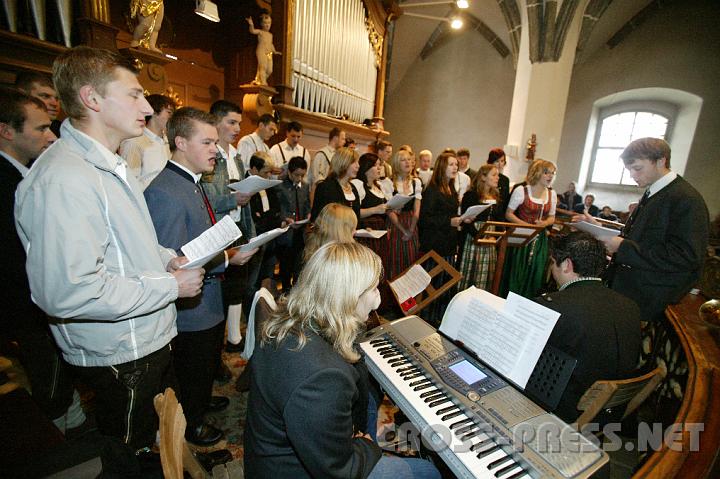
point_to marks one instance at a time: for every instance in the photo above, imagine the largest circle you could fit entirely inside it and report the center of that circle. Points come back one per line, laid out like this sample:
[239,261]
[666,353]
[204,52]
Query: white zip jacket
[93,258]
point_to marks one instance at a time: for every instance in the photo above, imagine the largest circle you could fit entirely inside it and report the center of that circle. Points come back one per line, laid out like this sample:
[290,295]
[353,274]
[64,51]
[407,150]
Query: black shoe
[203,435]
[217,404]
[235,348]
[243,381]
[208,460]
[223,374]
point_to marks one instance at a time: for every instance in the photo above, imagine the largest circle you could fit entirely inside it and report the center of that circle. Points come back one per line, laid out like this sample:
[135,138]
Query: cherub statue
[150,16]
[265,49]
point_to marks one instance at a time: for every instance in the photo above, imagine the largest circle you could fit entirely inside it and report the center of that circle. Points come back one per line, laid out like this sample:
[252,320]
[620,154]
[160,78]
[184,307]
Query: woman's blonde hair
[478,183]
[341,161]
[395,164]
[325,298]
[538,168]
[335,222]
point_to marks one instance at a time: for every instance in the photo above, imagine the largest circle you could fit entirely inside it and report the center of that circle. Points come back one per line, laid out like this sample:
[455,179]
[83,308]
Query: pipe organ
[334,63]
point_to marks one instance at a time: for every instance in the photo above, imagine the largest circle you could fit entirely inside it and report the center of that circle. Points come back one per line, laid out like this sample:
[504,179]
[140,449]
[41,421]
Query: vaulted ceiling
[416,39]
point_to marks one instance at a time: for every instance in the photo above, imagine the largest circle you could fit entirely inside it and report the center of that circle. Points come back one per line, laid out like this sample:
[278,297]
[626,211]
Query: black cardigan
[330,191]
[434,227]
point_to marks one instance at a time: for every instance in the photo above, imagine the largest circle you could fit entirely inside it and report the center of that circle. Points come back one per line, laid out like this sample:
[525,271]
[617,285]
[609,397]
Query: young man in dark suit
[294,196]
[24,135]
[659,255]
[181,211]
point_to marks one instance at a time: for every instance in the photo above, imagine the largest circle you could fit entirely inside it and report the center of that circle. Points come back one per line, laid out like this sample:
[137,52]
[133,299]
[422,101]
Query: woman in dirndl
[533,204]
[477,261]
[372,201]
[373,217]
[402,224]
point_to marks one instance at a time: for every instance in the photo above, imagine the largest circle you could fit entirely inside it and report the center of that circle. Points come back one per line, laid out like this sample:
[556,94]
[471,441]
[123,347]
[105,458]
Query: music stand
[512,235]
[550,377]
[429,294]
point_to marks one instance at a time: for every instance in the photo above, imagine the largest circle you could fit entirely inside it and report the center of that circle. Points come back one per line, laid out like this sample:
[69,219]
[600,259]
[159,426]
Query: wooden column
[94,26]
[284,30]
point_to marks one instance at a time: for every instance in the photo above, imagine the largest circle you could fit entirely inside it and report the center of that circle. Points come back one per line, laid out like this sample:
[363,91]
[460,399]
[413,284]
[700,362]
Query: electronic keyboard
[478,423]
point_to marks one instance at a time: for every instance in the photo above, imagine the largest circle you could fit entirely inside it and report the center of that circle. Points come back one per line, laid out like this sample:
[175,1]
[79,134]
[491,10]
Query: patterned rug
[232,419]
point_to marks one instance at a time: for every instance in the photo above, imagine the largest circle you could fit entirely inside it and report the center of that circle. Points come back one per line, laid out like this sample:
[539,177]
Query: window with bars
[615,132]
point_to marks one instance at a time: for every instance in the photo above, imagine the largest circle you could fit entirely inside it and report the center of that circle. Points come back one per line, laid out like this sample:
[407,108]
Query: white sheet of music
[599,232]
[210,243]
[410,284]
[509,335]
[524,231]
[260,240]
[253,184]
[398,201]
[375,234]
[473,211]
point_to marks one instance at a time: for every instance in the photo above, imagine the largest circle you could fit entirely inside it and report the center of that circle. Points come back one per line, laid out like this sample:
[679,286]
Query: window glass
[616,132]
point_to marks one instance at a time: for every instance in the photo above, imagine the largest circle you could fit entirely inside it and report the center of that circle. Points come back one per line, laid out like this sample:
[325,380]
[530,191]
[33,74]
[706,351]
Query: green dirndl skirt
[524,270]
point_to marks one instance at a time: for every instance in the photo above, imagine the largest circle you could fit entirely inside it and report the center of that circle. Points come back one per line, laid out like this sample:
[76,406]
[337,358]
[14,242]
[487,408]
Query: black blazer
[330,191]
[434,228]
[601,329]
[663,252]
[504,188]
[300,414]
[18,309]
[270,219]
[495,213]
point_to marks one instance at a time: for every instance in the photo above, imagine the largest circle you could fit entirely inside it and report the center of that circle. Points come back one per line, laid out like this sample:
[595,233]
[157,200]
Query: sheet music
[253,184]
[363,233]
[398,201]
[524,231]
[410,284]
[301,222]
[210,243]
[260,240]
[473,211]
[599,232]
[508,335]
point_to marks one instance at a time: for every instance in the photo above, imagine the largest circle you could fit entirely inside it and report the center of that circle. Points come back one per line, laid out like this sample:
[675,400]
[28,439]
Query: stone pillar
[539,98]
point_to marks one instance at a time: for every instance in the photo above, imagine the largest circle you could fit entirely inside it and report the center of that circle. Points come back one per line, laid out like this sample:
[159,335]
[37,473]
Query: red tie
[207,203]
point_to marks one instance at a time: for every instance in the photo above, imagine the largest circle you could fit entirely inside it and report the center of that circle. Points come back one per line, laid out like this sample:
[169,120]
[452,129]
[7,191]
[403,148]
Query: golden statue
[150,16]
[265,49]
[531,148]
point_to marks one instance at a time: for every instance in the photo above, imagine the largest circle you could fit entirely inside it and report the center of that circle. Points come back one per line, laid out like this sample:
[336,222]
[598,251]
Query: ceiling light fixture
[207,9]
[456,23]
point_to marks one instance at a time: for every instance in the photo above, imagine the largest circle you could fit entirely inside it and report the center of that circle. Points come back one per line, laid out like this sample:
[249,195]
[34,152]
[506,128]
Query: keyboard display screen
[467,372]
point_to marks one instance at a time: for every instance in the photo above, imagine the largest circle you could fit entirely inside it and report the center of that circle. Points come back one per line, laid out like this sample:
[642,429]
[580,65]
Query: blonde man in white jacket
[93,260]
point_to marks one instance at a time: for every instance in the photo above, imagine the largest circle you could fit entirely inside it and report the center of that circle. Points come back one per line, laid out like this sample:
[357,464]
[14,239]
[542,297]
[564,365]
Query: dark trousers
[50,376]
[124,396]
[238,287]
[290,259]
[195,355]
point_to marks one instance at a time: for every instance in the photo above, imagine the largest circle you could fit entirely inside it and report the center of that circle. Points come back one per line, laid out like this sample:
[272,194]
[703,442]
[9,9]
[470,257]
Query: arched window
[616,130]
